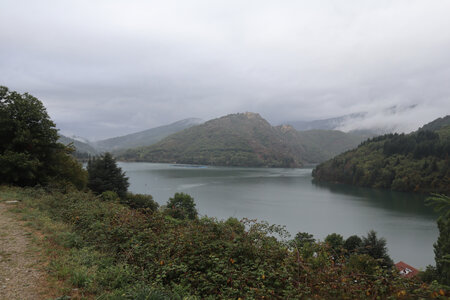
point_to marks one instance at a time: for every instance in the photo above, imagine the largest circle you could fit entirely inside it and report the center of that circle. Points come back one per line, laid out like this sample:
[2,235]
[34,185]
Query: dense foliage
[417,162]
[117,245]
[105,175]
[437,124]
[144,138]
[140,201]
[181,206]
[245,140]
[29,151]
[370,245]
[234,140]
[117,253]
[442,246]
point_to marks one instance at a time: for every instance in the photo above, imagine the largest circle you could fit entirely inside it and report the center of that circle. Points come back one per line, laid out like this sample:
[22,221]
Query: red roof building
[406,270]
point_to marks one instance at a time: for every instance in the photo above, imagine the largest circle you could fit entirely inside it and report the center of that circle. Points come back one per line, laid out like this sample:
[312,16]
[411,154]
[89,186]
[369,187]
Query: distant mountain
[437,124]
[416,162]
[144,138]
[325,144]
[367,124]
[82,149]
[325,124]
[79,138]
[244,139]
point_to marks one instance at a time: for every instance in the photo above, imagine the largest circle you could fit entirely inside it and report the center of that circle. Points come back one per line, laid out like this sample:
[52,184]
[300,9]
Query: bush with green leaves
[335,241]
[140,201]
[181,206]
[303,238]
[124,250]
[441,204]
[109,196]
[352,244]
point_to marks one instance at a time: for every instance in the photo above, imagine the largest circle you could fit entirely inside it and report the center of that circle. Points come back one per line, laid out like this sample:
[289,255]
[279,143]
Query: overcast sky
[107,68]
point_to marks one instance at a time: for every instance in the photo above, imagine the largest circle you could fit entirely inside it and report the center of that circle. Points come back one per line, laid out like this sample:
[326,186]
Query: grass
[76,270]
[45,240]
[103,250]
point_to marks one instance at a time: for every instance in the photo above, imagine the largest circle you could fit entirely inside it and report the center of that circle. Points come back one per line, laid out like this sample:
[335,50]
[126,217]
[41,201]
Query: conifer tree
[105,175]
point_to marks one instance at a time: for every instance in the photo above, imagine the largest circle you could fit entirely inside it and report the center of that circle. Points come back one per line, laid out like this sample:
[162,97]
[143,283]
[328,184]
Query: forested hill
[437,124]
[146,137]
[417,162]
[82,150]
[244,139]
[233,140]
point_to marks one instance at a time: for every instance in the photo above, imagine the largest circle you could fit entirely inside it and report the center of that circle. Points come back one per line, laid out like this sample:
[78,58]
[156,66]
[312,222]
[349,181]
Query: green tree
[29,151]
[335,241]
[303,238]
[441,204]
[352,243]
[376,247]
[182,206]
[105,175]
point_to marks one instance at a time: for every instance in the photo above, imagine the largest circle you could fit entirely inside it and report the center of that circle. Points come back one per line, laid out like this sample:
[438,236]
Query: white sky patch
[140,64]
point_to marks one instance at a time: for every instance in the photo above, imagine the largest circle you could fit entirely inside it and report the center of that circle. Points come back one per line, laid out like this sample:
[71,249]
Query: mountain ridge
[242,139]
[82,149]
[144,138]
[414,162]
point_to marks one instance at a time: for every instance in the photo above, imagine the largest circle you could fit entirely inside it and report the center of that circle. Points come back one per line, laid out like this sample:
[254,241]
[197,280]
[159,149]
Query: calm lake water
[289,197]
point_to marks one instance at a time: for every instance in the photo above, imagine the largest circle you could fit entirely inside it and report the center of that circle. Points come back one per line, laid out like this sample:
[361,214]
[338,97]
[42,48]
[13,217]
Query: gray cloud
[106,68]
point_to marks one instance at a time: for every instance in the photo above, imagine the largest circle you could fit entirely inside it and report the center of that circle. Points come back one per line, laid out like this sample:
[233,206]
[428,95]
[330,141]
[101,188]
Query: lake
[289,197]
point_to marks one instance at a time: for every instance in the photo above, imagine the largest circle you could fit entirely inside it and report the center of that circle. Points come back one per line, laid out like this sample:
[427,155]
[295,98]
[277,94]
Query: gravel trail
[21,267]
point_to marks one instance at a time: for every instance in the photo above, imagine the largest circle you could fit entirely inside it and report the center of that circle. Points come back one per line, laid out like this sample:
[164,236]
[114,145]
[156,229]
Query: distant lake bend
[289,197]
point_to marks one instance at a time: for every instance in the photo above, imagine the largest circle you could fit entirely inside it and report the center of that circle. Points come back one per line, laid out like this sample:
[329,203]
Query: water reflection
[385,199]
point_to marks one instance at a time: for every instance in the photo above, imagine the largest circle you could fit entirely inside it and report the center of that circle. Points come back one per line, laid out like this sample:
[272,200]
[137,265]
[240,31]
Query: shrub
[362,264]
[133,254]
[109,196]
[302,238]
[335,241]
[140,201]
[181,206]
[430,274]
[352,243]
[441,203]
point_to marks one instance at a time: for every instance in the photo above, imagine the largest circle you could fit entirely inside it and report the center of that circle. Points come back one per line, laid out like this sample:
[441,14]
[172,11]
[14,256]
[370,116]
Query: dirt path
[21,274]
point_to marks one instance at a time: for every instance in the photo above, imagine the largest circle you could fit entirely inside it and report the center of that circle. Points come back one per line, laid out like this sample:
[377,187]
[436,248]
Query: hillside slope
[417,162]
[146,137]
[244,139]
[327,143]
[81,149]
[233,140]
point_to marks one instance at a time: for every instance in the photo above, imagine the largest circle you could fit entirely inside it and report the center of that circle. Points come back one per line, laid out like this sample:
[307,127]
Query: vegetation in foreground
[112,251]
[416,162]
